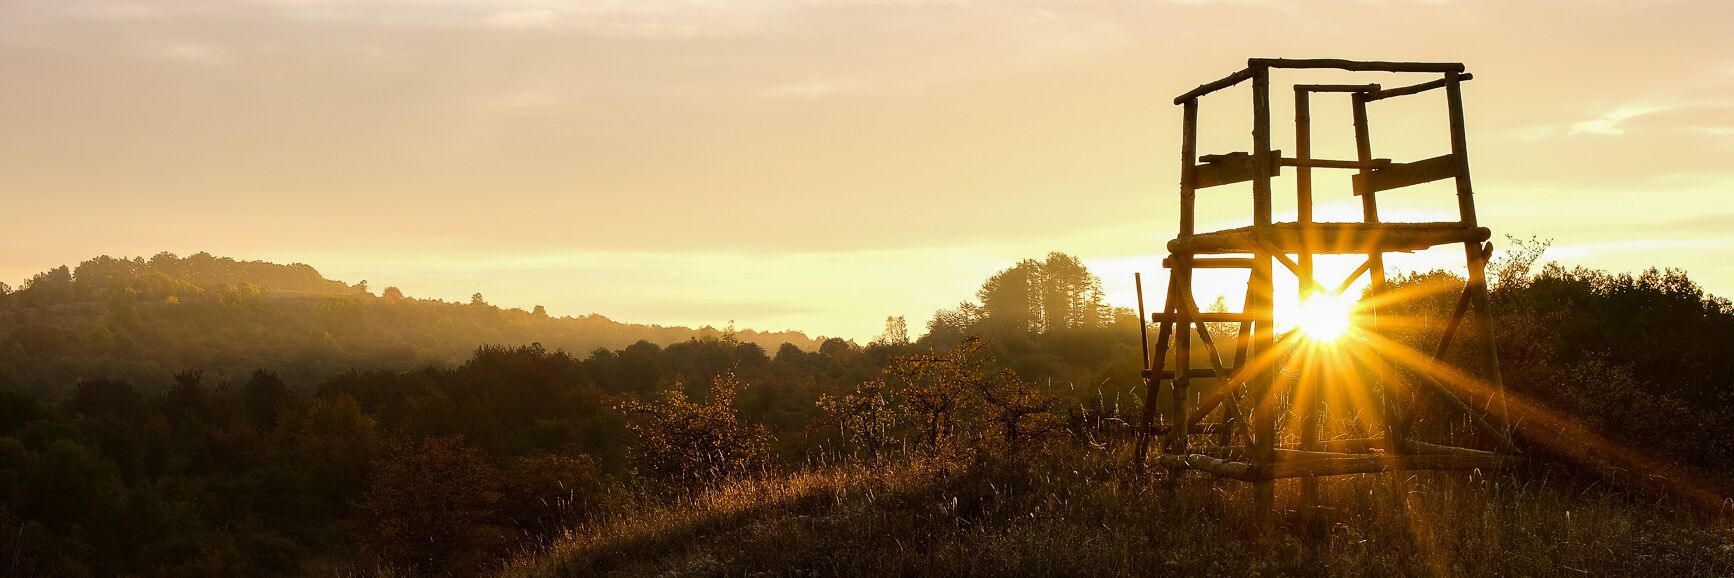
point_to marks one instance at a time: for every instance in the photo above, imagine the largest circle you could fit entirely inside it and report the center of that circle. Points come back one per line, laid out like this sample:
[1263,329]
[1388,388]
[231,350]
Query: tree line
[448,469]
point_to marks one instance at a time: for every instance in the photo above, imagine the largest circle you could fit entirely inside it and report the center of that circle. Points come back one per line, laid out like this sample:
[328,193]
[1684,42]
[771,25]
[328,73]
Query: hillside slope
[144,320]
[1083,515]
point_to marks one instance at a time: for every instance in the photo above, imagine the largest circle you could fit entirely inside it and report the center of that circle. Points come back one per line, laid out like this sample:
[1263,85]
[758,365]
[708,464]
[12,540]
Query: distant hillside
[145,319]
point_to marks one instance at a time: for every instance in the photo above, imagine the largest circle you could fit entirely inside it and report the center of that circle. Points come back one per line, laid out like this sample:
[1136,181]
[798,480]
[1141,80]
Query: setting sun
[1324,317]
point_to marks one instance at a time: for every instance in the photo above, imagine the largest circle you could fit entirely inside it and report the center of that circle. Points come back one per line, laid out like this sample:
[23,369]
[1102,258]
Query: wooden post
[1263,339]
[1182,275]
[1376,272]
[1307,395]
[1477,261]
[1182,360]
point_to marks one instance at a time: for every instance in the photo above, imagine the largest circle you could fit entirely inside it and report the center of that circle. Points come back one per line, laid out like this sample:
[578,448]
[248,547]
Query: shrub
[693,445]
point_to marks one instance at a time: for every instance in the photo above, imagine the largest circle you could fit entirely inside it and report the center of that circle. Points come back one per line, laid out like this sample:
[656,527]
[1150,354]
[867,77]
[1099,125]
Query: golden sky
[807,164]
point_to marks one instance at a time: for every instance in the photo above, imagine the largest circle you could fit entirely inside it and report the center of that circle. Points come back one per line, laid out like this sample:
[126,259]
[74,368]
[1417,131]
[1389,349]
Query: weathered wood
[1195,373]
[1331,238]
[1369,201]
[1303,175]
[1231,412]
[1336,449]
[1311,403]
[1143,329]
[1206,317]
[1399,175]
[1497,435]
[1263,339]
[1156,361]
[1268,244]
[1395,429]
[1355,65]
[1220,467]
[1451,325]
[1299,272]
[1212,263]
[1413,88]
[1368,464]
[1333,164]
[1354,276]
[1336,87]
[1213,86]
[1189,172]
[1227,169]
[1182,359]
[1229,390]
[1473,251]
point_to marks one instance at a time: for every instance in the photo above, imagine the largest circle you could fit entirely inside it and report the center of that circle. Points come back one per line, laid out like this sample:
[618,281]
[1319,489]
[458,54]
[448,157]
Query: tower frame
[1248,391]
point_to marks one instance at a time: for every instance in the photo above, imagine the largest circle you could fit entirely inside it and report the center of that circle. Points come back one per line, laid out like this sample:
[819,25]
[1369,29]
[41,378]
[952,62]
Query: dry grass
[1086,517]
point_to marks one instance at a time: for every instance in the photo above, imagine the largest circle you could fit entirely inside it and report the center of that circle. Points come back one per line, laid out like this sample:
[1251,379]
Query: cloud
[809,89]
[1611,123]
[194,53]
[524,19]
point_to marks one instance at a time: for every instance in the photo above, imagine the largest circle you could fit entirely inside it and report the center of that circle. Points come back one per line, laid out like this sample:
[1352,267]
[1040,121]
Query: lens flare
[1324,318]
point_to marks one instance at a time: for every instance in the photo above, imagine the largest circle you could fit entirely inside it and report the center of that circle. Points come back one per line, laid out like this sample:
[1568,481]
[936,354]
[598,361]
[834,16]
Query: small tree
[432,506]
[694,445]
[950,394]
[864,415]
[896,333]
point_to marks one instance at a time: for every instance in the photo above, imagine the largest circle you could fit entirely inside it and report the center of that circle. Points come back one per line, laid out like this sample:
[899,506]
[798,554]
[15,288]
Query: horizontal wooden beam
[1334,164]
[1213,86]
[1225,169]
[1213,262]
[1367,464]
[1399,175]
[1336,87]
[1218,466]
[1194,373]
[1329,238]
[1411,89]
[1205,317]
[1355,65]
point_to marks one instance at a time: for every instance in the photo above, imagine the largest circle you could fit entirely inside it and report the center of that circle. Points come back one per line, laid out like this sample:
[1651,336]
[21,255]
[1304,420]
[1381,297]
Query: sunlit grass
[1083,514]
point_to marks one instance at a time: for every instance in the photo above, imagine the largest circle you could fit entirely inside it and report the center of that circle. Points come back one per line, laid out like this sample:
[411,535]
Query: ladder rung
[1206,317]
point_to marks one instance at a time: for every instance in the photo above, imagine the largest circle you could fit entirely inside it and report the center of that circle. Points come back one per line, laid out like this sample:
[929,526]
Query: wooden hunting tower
[1247,389]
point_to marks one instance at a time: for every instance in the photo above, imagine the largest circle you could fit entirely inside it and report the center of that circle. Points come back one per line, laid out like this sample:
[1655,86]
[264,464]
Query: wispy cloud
[809,88]
[524,19]
[1612,122]
[194,53]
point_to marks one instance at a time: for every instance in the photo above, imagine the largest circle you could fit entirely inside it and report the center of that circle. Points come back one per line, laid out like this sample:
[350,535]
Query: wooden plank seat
[1330,238]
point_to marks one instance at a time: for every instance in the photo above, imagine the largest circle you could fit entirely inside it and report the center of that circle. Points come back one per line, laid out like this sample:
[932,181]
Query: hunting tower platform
[1245,395]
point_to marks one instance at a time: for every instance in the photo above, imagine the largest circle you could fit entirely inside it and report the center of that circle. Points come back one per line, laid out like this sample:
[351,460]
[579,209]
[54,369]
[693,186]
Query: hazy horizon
[799,164]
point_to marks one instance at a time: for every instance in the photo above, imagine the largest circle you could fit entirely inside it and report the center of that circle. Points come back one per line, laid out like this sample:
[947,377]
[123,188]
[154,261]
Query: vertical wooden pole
[1307,395]
[1477,261]
[1182,272]
[1263,339]
[1376,272]
[1182,358]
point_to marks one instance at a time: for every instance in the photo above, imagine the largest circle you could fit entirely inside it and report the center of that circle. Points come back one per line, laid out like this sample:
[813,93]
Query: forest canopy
[144,319]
